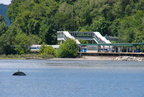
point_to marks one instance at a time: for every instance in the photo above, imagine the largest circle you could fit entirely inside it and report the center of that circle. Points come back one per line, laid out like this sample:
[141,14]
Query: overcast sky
[7,2]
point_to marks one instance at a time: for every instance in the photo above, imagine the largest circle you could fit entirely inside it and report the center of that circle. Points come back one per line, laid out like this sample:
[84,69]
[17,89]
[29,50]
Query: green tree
[3,26]
[131,28]
[68,49]
[6,42]
[6,38]
[34,17]
[44,18]
[23,42]
[14,9]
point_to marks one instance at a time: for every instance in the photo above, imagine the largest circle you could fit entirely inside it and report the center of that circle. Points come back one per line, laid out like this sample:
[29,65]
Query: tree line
[37,21]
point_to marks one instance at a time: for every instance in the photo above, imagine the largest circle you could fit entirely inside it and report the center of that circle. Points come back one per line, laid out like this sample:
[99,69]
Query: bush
[47,51]
[21,49]
[68,49]
[84,41]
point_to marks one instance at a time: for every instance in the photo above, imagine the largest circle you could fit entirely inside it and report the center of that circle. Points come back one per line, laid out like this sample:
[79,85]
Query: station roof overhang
[114,44]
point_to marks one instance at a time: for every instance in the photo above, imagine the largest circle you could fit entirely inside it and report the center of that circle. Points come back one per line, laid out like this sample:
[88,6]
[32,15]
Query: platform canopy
[114,44]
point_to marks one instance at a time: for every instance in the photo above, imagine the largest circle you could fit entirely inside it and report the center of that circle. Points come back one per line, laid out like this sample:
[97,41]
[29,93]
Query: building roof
[115,44]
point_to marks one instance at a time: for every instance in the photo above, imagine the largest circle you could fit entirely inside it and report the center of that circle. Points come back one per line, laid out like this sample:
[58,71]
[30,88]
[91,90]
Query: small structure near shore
[19,73]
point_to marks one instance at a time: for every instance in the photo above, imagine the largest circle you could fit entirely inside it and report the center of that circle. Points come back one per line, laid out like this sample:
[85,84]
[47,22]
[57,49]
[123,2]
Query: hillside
[37,21]
[3,9]
[120,18]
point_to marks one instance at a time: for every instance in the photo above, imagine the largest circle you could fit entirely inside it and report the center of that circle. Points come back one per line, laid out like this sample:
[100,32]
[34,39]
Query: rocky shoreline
[118,58]
[129,58]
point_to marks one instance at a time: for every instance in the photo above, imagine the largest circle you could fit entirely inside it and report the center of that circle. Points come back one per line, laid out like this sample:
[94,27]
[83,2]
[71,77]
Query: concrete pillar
[119,49]
[133,49]
[130,48]
[126,49]
[103,48]
[109,49]
[99,48]
[114,48]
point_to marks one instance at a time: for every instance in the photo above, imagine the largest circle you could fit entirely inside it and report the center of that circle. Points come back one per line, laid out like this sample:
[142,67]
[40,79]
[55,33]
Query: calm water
[53,78]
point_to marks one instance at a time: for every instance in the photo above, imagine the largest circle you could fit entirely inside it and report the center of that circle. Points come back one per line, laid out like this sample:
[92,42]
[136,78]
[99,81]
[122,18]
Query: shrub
[83,41]
[47,50]
[68,49]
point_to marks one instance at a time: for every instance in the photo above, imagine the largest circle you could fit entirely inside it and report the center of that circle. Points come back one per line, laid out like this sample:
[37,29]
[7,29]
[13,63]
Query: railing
[98,40]
[96,36]
[65,35]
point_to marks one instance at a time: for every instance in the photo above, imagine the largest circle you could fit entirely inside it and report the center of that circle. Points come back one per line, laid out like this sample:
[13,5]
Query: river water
[72,78]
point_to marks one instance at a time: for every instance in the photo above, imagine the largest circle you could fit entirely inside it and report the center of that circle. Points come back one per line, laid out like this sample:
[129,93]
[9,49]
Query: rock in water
[19,73]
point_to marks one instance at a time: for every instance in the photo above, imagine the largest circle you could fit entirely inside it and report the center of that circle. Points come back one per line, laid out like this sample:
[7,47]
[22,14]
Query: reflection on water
[53,78]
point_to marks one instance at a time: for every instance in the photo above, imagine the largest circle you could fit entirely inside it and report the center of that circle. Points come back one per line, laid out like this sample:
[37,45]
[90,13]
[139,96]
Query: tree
[6,42]
[44,18]
[68,49]
[23,42]
[3,26]
[34,17]
[131,28]
[5,39]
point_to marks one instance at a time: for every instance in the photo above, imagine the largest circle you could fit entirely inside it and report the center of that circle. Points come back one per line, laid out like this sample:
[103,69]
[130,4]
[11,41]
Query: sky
[7,2]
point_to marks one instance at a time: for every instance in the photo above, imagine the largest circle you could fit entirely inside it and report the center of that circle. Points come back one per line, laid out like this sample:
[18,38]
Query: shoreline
[84,58]
[94,58]
[110,58]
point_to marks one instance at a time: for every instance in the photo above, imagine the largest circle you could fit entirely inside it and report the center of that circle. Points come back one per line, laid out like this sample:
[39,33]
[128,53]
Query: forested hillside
[43,18]
[3,9]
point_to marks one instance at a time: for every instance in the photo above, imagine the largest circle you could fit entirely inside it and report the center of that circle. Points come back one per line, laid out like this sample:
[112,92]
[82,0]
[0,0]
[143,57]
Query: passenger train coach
[36,48]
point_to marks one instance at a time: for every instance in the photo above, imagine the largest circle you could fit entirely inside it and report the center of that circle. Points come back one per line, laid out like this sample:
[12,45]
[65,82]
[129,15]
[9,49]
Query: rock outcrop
[129,58]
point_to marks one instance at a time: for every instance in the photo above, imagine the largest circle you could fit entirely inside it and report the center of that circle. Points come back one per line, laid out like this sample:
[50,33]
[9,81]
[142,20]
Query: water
[53,78]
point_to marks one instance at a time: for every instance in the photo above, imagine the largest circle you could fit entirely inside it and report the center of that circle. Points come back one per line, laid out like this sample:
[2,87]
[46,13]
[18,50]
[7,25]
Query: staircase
[99,38]
[96,36]
[68,35]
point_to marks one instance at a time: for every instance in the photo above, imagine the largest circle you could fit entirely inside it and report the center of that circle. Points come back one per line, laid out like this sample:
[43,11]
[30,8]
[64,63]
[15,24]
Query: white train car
[36,48]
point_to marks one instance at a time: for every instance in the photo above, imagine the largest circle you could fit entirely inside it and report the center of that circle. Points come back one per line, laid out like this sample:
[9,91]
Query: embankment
[119,58]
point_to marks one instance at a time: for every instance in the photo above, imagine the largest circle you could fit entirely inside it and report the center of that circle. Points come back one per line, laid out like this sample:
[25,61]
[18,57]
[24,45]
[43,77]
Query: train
[36,48]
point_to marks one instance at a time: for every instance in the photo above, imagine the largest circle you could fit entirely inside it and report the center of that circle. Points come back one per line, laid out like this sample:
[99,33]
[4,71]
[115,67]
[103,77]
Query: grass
[26,56]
